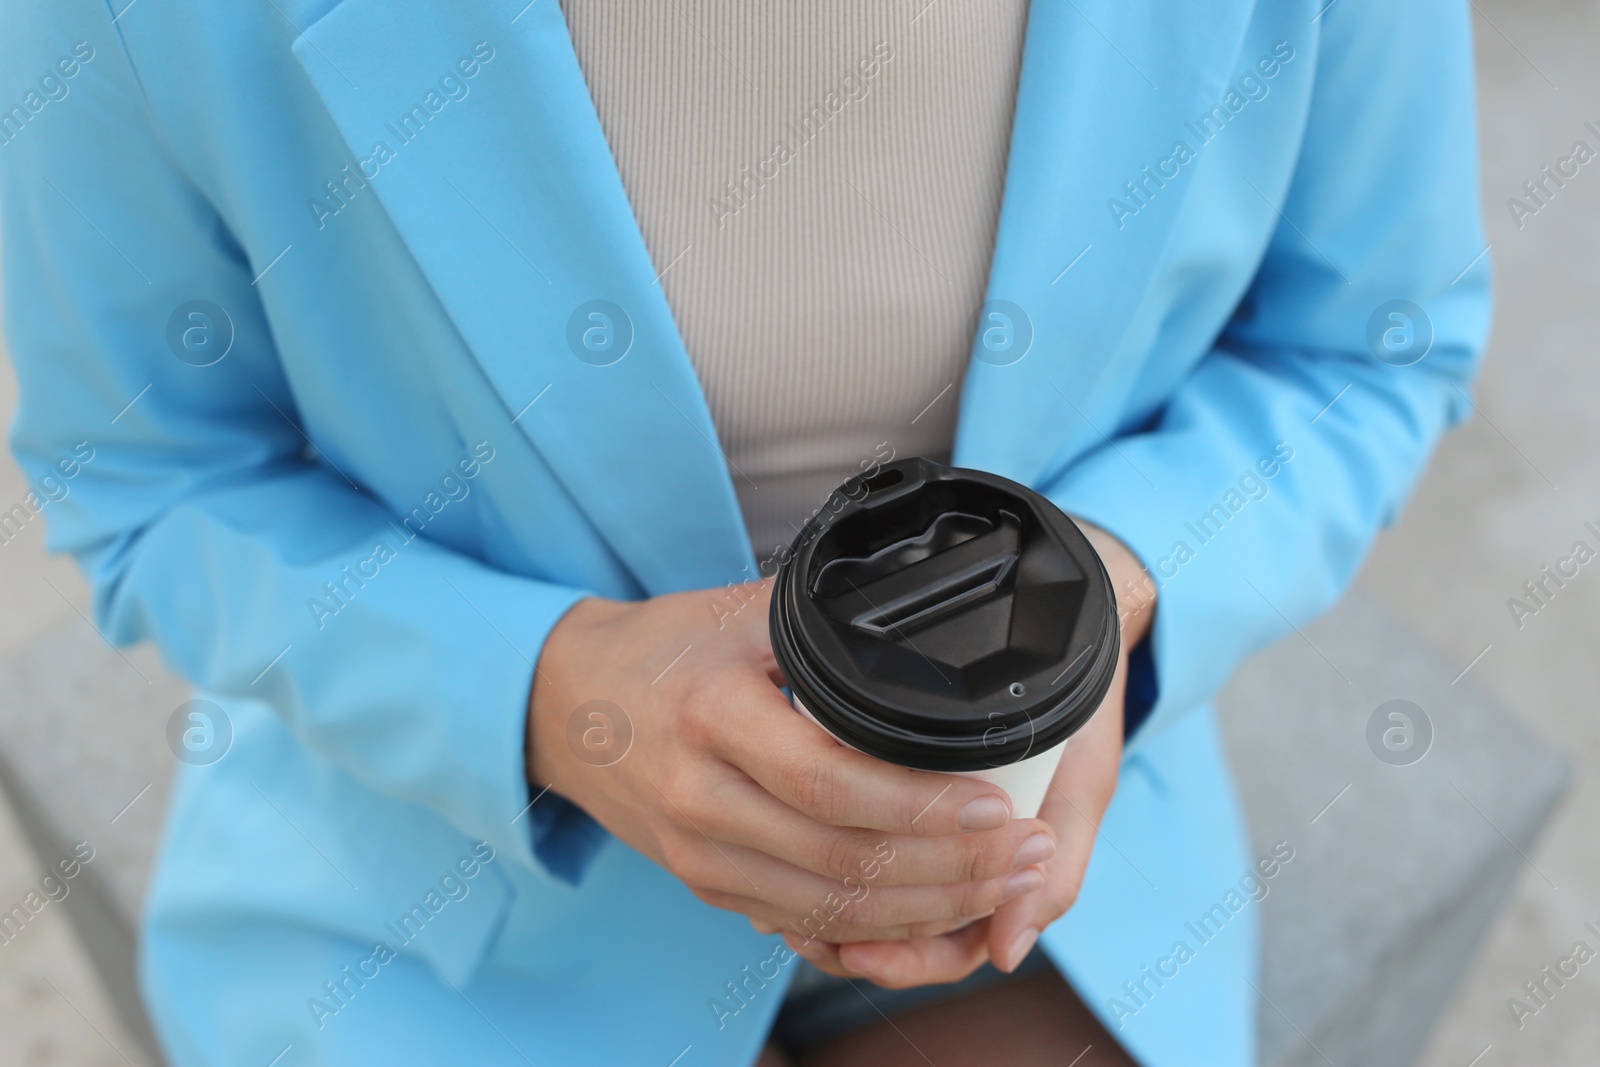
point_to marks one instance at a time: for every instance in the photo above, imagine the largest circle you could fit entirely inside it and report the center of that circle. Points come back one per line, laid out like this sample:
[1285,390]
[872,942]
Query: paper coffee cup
[948,620]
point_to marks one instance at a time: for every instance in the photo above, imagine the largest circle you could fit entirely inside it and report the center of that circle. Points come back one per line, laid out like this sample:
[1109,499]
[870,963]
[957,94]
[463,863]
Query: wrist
[1132,585]
[558,685]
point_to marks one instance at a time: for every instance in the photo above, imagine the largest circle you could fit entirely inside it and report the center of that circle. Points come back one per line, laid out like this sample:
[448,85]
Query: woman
[453,372]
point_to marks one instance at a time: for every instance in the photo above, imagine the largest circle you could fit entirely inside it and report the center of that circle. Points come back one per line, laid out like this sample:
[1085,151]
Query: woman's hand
[755,808]
[1079,793]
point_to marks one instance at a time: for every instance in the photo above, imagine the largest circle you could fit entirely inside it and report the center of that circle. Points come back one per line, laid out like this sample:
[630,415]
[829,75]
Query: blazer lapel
[510,201]
[504,189]
[1106,88]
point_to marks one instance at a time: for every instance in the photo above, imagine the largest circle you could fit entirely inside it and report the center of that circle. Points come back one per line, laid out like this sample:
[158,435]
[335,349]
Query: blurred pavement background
[1509,493]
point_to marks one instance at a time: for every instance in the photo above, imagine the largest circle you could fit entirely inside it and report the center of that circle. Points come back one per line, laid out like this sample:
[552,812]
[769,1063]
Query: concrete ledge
[1396,879]
[83,757]
[1395,884]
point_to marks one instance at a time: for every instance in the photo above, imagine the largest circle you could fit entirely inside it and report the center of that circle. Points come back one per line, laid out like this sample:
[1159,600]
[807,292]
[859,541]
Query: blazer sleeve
[1382,206]
[199,512]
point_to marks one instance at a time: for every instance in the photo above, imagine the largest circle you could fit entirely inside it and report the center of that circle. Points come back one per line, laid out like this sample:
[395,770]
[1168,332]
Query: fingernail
[985,813]
[1024,881]
[1019,949]
[1036,849]
[853,963]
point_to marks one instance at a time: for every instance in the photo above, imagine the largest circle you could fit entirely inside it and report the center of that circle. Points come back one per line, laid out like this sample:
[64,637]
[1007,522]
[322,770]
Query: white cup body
[1026,781]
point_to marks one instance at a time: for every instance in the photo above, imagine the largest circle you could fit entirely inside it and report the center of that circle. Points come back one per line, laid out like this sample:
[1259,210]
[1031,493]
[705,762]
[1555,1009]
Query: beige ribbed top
[818,185]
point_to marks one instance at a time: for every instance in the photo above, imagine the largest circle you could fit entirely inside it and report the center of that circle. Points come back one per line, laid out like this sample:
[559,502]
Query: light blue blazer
[300,277]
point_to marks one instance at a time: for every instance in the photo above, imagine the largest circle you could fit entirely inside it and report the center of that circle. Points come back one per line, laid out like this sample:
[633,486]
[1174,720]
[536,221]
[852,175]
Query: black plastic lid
[944,619]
